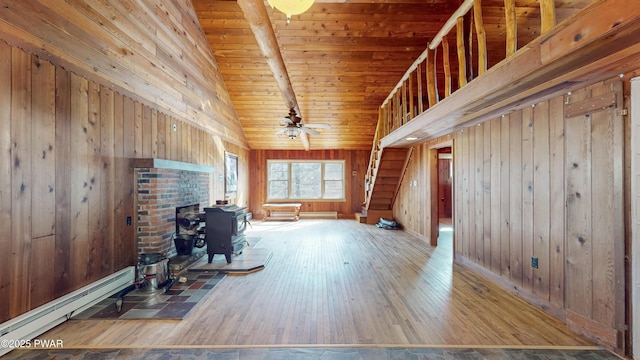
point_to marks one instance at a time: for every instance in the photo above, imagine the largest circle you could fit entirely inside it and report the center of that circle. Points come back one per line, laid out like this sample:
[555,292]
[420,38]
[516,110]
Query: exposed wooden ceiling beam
[256,14]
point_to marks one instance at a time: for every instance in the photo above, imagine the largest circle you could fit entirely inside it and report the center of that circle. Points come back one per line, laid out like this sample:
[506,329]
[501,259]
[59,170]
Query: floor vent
[41,319]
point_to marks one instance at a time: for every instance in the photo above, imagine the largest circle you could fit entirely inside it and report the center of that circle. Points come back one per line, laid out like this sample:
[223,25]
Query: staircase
[382,182]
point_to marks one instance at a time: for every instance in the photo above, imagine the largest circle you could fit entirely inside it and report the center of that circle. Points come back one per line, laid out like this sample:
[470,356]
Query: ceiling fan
[294,126]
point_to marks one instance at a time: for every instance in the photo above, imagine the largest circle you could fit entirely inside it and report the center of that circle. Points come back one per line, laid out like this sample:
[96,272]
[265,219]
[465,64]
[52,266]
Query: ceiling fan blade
[318,126]
[281,131]
[308,131]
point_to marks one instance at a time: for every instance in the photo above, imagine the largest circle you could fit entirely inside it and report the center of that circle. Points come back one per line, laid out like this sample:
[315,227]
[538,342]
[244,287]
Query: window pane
[333,171]
[333,189]
[305,181]
[278,190]
[278,171]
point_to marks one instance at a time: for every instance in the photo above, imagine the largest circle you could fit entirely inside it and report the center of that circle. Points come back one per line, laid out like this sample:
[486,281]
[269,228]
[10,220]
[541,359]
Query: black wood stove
[224,230]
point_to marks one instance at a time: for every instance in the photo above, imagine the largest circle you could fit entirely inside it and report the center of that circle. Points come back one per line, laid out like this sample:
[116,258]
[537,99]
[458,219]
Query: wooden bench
[294,207]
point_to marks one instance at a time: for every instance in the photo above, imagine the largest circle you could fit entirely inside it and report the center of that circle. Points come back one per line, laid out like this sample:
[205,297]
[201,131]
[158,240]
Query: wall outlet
[534,262]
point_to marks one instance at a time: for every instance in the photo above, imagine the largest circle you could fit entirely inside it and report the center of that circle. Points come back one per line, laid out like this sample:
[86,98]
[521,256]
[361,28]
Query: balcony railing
[417,91]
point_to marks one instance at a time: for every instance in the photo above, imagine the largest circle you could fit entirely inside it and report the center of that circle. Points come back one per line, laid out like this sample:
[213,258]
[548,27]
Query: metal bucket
[184,243]
[156,275]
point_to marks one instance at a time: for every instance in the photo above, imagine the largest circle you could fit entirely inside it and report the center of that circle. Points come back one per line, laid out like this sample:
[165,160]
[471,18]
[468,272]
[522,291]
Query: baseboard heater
[39,320]
[307,214]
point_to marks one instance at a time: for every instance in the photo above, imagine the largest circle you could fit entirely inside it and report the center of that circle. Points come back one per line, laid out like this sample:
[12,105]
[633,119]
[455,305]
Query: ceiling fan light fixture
[291,132]
[291,7]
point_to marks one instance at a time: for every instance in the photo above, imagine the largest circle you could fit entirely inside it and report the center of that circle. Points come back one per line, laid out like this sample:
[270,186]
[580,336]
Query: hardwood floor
[342,282]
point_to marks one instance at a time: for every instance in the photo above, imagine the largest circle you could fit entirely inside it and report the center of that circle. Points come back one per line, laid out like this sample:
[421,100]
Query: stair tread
[386,173]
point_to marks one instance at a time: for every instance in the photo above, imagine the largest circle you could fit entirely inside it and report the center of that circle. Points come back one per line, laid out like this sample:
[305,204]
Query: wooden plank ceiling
[343,59]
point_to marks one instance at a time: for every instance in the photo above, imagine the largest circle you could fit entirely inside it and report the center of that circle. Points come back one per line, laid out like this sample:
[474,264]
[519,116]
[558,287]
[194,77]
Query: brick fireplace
[161,186]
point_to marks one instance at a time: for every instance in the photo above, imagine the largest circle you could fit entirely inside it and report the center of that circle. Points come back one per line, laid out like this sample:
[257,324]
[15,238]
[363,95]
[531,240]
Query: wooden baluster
[398,109]
[447,67]
[420,103]
[512,26]
[391,115]
[387,115]
[403,114]
[547,15]
[482,37]
[462,63]
[412,113]
[392,112]
[382,123]
[471,74]
[387,119]
[432,89]
[392,107]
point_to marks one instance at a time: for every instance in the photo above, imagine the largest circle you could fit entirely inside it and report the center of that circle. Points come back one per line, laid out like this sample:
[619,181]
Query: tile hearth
[175,303]
[251,260]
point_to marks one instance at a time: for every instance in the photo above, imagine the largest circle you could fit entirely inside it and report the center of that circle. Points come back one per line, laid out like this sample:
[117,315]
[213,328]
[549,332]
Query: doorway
[445,180]
[441,190]
[445,200]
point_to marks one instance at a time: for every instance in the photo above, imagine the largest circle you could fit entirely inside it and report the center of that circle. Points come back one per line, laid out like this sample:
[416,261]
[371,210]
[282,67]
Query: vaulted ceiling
[343,58]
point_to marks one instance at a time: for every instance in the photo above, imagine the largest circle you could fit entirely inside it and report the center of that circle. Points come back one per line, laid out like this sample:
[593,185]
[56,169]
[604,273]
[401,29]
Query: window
[305,180]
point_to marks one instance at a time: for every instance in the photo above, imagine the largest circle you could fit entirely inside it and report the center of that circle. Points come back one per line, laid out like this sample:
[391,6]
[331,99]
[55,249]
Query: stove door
[239,224]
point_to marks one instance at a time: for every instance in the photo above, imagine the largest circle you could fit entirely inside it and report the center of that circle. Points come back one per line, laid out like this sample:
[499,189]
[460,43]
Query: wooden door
[594,271]
[444,182]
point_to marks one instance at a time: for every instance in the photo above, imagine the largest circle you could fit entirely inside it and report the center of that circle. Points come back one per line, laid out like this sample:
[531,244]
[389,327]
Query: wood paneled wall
[86,86]
[66,186]
[356,162]
[152,51]
[544,181]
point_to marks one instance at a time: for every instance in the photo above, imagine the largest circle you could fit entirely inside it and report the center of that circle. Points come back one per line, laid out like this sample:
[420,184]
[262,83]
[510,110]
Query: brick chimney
[163,185]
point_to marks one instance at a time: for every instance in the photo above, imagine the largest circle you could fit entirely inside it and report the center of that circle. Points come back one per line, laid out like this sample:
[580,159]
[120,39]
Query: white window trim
[322,180]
